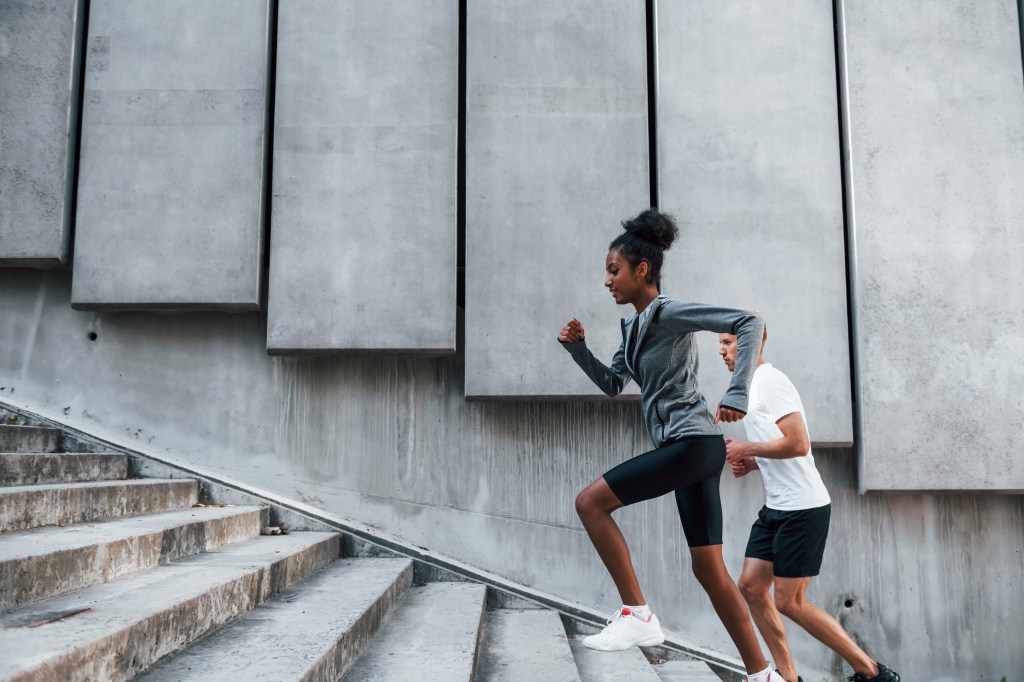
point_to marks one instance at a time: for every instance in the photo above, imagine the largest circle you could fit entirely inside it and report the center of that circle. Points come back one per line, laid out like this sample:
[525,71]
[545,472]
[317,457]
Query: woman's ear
[643,269]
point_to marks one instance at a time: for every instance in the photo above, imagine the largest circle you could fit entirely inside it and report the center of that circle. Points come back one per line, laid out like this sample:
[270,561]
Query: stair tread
[134,601]
[611,666]
[44,562]
[284,638]
[525,644]
[435,628]
[685,671]
[35,468]
[41,487]
[40,541]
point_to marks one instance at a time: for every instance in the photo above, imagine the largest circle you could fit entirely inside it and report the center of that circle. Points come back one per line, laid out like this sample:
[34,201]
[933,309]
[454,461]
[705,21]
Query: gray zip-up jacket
[660,354]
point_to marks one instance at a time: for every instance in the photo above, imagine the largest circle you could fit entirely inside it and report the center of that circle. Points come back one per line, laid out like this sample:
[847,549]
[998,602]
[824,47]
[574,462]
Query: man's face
[727,349]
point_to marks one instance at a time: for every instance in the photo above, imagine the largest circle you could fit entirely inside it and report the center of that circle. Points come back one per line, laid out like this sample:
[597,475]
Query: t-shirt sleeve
[782,398]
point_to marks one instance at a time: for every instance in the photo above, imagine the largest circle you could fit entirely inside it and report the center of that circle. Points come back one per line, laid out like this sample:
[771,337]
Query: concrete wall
[365,177]
[40,50]
[934,579]
[748,137]
[935,105]
[556,156]
[170,190]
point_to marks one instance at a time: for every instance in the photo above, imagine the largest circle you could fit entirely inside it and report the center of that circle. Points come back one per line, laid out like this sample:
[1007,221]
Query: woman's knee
[596,498]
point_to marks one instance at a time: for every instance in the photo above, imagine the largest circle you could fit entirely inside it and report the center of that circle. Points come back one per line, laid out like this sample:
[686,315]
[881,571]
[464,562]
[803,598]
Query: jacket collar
[628,326]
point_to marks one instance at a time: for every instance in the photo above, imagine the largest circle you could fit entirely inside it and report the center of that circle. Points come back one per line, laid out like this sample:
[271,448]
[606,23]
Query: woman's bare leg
[595,505]
[710,570]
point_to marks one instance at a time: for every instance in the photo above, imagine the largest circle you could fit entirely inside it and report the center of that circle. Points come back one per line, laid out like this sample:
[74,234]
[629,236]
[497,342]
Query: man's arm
[794,442]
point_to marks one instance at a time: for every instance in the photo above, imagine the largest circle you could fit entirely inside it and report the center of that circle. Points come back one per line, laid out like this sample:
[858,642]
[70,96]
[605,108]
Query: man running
[787,540]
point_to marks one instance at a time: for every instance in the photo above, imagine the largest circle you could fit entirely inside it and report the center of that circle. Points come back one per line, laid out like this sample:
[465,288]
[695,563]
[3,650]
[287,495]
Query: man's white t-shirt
[794,483]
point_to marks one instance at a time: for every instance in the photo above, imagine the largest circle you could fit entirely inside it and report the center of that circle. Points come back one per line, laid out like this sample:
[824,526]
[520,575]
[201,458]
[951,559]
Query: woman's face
[624,283]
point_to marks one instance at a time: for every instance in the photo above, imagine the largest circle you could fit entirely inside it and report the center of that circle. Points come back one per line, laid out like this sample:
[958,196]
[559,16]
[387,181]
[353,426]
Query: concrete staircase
[107,577]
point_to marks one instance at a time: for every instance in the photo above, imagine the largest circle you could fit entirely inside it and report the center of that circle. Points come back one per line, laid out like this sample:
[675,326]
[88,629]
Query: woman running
[659,352]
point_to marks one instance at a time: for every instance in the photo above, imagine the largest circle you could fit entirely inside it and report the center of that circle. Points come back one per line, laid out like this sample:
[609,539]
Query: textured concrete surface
[46,562]
[33,506]
[170,189]
[40,49]
[122,627]
[364,177]
[393,443]
[686,671]
[936,126]
[432,634]
[749,164]
[525,644]
[33,469]
[556,157]
[27,439]
[612,666]
[313,631]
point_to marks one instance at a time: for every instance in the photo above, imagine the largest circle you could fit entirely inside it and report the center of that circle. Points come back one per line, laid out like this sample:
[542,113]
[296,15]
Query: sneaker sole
[649,641]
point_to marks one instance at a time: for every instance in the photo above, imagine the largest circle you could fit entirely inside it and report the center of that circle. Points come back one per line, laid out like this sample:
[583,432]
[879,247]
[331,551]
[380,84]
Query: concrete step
[46,562]
[611,666]
[33,506]
[685,671]
[432,634]
[311,632]
[29,439]
[525,644]
[115,630]
[53,467]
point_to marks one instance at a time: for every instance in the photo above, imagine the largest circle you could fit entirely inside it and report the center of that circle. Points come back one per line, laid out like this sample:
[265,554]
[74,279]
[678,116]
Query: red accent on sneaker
[626,612]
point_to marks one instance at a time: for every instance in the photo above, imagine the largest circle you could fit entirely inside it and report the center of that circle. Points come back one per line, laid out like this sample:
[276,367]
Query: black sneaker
[884,675]
[798,678]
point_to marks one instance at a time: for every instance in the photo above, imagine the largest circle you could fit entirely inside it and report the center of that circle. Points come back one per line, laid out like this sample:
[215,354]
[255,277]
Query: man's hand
[736,450]
[571,332]
[743,467]
[727,414]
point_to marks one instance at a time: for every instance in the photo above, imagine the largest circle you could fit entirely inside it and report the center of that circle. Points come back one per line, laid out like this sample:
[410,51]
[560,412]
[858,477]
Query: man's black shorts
[794,541]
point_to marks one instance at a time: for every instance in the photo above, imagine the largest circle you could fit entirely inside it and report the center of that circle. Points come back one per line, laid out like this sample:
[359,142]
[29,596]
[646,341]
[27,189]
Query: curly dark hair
[646,238]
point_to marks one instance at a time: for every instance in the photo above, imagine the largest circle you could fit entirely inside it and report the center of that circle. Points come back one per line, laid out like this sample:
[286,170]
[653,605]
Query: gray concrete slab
[118,629]
[26,439]
[435,629]
[685,671]
[556,157]
[525,644]
[53,467]
[365,178]
[33,506]
[935,111]
[46,562]
[749,164]
[170,189]
[39,79]
[611,666]
[313,631]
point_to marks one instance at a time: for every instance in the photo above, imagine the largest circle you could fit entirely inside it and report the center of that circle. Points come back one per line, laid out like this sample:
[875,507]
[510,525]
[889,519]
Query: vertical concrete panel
[365,148]
[748,138]
[935,108]
[556,157]
[170,190]
[40,51]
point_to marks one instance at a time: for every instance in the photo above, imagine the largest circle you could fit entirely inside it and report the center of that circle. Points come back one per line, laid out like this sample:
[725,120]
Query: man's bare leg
[755,585]
[789,599]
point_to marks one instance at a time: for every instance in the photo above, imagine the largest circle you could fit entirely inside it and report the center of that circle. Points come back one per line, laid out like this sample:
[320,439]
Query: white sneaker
[625,630]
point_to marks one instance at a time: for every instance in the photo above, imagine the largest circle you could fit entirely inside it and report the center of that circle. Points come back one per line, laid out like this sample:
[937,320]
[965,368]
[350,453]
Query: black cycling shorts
[692,468]
[794,541]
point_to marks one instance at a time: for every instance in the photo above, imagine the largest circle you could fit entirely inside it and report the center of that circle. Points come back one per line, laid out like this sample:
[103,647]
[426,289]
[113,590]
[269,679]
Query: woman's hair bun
[653,227]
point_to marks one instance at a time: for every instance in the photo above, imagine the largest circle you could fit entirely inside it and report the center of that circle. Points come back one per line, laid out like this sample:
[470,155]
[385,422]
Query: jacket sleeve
[747,326]
[612,379]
